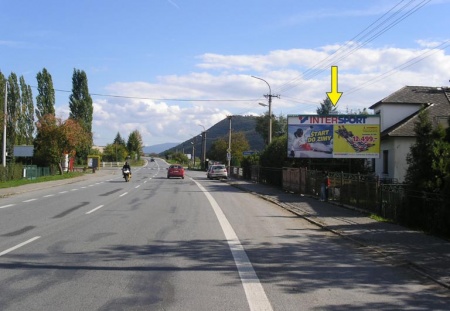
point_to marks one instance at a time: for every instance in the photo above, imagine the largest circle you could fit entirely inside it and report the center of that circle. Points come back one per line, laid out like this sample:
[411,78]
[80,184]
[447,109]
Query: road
[185,244]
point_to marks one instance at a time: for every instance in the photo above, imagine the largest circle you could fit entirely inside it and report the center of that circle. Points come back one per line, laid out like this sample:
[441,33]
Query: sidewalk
[425,254]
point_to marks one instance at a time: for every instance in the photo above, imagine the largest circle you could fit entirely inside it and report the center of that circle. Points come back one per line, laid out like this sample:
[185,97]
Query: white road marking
[74,190]
[256,297]
[5,206]
[64,192]
[48,195]
[18,245]
[123,194]
[137,187]
[91,211]
[30,200]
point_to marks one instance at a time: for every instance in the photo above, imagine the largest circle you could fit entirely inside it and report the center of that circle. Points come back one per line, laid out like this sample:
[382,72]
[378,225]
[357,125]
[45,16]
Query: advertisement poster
[333,136]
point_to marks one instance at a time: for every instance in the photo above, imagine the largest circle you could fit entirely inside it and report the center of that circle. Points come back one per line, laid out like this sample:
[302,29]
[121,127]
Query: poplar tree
[135,144]
[45,100]
[13,110]
[25,122]
[81,107]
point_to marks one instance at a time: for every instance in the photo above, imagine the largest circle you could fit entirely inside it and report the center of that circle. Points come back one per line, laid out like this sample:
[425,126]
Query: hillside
[245,124]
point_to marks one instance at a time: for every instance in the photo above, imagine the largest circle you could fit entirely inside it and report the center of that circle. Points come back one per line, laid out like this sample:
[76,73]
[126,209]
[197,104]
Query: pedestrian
[327,183]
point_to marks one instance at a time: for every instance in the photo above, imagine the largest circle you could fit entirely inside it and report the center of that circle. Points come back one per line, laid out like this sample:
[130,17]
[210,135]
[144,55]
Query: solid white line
[30,200]
[18,245]
[256,297]
[91,211]
[5,206]
[123,194]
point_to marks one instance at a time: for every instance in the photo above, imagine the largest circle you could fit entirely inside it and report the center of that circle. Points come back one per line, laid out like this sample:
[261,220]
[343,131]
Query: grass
[379,218]
[20,182]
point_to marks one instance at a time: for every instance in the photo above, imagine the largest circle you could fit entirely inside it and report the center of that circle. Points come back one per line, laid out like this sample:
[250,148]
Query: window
[385,161]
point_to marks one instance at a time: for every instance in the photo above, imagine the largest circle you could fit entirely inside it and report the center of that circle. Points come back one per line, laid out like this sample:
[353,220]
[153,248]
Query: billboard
[333,136]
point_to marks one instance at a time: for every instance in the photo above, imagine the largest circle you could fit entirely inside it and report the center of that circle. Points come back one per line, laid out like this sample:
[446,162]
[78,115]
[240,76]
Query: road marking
[123,194]
[64,192]
[5,206]
[18,245]
[74,190]
[256,297]
[48,195]
[30,200]
[91,211]
[137,187]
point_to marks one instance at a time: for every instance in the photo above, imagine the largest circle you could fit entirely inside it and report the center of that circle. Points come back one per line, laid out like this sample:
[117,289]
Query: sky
[171,69]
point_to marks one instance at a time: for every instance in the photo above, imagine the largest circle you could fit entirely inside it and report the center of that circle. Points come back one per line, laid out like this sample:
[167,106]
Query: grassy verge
[20,182]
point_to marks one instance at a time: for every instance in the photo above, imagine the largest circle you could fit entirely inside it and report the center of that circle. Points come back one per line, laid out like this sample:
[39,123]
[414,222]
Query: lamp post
[269,96]
[203,147]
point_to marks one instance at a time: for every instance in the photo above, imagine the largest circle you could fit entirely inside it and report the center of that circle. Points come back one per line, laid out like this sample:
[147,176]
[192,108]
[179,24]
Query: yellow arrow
[334,95]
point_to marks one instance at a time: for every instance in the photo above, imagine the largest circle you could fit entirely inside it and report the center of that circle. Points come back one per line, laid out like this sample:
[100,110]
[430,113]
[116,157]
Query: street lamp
[203,147]
[269,96]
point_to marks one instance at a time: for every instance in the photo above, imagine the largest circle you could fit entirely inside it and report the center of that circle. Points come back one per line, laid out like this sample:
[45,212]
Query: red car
[175,170]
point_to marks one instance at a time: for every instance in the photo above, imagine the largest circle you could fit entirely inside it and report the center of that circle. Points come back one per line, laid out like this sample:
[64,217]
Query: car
[175,170]
[217,171]
[152,160]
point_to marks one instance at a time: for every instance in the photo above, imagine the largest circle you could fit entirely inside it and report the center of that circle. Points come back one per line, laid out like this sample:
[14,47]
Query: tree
[239,144]
[115,153]
[81,108]
[13,112]
[279,126]
[134,144]
[420,157]
[275,154]
[326,107]
[45,100]
[119,140]
[56,138]
[25,121]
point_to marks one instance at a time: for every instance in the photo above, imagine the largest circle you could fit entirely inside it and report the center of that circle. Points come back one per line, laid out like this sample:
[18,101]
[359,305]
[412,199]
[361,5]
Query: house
[399,113]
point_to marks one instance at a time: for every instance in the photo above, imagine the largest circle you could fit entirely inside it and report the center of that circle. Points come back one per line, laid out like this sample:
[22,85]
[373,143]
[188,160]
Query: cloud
[172,108]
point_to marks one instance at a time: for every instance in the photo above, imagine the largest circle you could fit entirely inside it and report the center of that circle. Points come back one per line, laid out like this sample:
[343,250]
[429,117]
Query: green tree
[326,107]
[45,100]
[219,148]
[25,122]
[119,140]
[420,158]
[13,112]
[81,108]
[275,154]
[279,126]
[135,144]
[114,153]
[56,138]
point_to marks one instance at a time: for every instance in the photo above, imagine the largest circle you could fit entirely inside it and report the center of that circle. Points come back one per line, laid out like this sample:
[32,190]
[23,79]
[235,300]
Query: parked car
[175,170]
[217,171]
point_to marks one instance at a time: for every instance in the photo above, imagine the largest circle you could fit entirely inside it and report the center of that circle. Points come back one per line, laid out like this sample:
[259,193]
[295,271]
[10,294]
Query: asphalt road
[185,244]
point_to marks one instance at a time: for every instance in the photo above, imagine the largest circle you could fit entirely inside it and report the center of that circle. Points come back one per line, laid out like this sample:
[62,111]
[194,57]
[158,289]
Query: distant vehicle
[175,170]
[152,160]
[217,171]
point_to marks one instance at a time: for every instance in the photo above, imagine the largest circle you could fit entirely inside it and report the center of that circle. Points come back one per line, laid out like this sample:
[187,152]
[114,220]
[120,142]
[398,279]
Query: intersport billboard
[333,136]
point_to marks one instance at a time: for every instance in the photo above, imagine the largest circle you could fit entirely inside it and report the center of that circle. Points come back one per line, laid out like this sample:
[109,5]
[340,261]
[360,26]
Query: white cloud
[207,97]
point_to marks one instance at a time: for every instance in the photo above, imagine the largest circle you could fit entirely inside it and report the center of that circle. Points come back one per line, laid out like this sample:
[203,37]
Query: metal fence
[383,197]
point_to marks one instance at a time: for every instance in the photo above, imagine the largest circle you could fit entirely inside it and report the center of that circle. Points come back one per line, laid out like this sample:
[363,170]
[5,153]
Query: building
[398,113]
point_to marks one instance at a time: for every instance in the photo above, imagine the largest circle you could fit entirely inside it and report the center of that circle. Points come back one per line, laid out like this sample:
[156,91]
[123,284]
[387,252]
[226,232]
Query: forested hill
[245,124]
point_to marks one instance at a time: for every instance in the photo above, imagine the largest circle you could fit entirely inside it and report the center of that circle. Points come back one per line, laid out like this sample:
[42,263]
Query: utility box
[93,161]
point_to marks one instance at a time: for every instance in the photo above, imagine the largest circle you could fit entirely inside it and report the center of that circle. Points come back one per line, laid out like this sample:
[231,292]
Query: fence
[383,197]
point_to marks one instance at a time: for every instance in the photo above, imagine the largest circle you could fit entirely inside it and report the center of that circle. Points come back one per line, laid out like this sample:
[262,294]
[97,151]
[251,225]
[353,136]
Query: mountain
[159,148]
[245,124]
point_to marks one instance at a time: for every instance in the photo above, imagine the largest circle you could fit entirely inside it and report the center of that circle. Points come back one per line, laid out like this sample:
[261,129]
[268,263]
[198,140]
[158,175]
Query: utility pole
[4,123]
[269,96]
[203,166]
[229,147]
